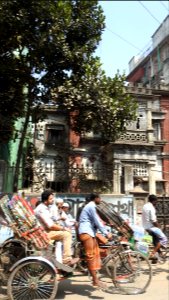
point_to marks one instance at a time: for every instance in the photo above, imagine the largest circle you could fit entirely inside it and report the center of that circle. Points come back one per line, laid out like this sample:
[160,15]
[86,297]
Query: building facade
[70,162]
[152,70]
[152,67]
[66,161]
[137,154]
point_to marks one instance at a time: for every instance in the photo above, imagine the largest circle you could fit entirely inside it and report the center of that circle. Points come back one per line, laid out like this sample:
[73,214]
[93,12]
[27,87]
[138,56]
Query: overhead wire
[148,45]
[128,42]
[149,12]
[123,39]
[164,5]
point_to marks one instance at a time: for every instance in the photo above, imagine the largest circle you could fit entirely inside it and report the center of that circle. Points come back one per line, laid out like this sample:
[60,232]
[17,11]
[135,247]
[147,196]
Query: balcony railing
[134,137]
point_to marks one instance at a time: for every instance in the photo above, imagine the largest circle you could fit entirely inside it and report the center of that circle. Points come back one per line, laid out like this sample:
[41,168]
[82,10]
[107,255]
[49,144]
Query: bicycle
[130,271]
[162,255]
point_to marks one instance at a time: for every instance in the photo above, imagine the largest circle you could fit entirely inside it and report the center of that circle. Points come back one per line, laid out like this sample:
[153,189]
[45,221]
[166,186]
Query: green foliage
[11,98]
[42,42]
[47,48]
[101,103]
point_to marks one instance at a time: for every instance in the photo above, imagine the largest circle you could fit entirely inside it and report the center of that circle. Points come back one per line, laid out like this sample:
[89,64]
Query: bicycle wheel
[33,279]
[79,252]
[130,272]
[163,256]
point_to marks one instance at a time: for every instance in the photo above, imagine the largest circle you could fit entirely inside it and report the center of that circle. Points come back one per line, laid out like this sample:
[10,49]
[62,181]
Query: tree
[11,98]
[42,43]
[47,48]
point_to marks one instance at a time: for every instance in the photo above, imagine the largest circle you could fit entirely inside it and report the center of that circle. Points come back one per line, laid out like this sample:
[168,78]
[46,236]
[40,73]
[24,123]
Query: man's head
[95,197]
[65,206]
[59,202]
[153,199]
[47,197]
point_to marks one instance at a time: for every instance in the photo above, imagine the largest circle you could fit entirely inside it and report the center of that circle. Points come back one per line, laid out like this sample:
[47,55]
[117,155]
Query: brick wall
[165,136]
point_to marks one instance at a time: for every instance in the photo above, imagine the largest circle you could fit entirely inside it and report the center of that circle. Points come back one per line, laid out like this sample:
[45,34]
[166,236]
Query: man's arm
[45,218]
[98,223]
[153,218]
[50,224]
[156,224]
[57,227]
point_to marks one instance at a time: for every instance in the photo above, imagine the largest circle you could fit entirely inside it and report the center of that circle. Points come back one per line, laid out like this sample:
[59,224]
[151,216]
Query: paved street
[79,288]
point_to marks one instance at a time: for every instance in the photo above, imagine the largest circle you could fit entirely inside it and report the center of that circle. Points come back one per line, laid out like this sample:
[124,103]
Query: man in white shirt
[56,211]
[57,216]
[55,231]
[69,220]
[150,224]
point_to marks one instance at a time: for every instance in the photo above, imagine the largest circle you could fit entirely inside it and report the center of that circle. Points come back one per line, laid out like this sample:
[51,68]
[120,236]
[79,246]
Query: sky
[129,28]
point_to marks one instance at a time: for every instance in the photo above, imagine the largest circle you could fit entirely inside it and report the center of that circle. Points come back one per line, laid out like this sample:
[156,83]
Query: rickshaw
[27,263]
[30,270]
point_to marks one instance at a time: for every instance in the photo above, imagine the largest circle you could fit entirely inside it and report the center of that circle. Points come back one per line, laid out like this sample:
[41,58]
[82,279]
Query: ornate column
[116,177]
[149,124]
[128,178]
[152,183]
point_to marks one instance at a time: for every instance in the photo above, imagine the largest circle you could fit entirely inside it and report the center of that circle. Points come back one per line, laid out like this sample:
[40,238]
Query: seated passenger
[57,216]
[55,231]
[69,220]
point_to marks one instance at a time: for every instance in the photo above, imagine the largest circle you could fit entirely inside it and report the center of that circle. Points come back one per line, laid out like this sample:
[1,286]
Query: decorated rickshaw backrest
[20,216]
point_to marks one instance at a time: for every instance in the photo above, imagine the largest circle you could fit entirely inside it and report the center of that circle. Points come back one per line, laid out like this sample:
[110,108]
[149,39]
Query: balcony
[138,137]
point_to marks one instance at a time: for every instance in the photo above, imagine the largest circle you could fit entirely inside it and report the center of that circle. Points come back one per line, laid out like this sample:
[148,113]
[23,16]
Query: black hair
[152,198]
[45,195]
[87,199]
[93,196]
[37,203]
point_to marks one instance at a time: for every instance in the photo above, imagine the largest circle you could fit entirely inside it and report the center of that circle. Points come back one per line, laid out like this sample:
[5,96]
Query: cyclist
[151,225]
[89,223]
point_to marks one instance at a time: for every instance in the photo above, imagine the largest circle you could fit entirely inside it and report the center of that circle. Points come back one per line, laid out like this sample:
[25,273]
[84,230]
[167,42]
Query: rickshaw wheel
[11,251]
[33,279]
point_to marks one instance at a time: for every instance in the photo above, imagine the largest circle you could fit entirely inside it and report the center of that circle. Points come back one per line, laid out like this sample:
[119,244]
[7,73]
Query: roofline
[146,58]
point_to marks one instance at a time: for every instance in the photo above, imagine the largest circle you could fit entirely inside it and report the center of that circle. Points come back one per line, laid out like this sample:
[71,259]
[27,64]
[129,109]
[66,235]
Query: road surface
[79,287]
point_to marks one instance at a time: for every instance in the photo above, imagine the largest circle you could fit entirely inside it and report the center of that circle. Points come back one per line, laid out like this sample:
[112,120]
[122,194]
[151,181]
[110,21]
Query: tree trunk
[20,148]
